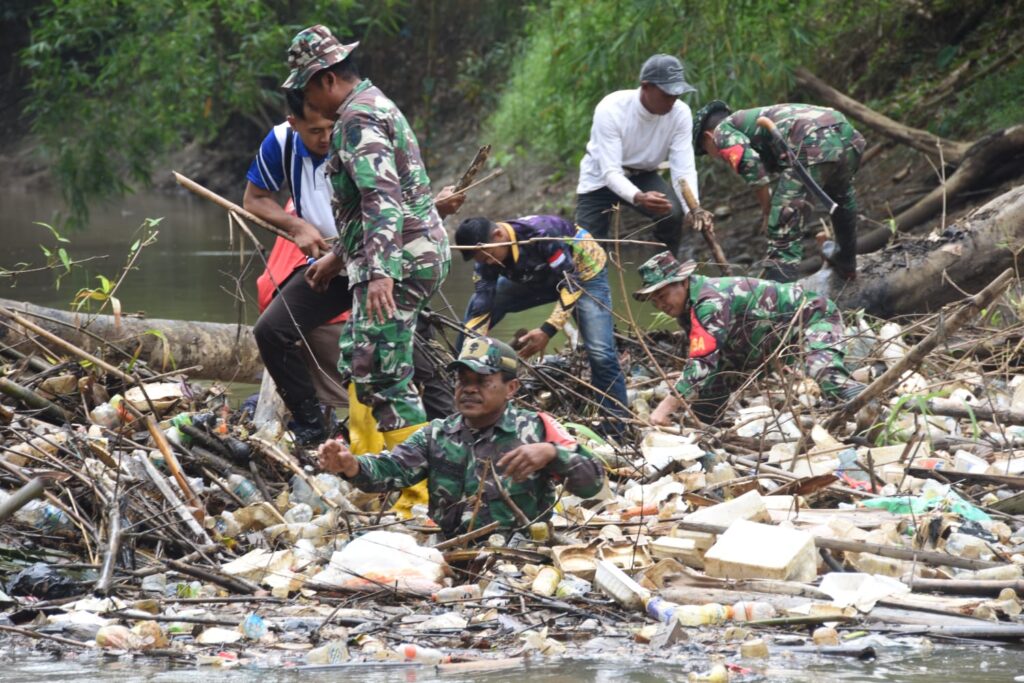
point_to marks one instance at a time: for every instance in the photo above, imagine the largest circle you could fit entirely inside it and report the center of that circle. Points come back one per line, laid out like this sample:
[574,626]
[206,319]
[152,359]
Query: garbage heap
[148,518]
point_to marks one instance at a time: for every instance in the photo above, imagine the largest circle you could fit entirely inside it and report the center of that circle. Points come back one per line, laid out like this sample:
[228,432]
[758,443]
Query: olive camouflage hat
[312,50]
[660,270]
[486,356]
[701,118]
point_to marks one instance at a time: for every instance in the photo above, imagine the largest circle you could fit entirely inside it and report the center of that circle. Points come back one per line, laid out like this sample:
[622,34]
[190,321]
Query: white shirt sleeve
[680,156]
[607,151]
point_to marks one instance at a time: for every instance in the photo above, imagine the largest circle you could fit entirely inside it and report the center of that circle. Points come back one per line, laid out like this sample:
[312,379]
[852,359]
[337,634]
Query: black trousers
[279,340]
[592,210]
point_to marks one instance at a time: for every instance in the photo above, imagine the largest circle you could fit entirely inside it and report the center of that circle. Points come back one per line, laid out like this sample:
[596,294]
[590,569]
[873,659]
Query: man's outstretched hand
[522,461]
[532,343]
[335,458]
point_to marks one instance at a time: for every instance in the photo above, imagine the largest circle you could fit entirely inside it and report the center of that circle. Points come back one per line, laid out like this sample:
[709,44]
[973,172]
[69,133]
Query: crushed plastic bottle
[244,489]
[334,652]
[572,586]
[42,516]
[254,627]
[424,655]
[458,593]
[299,514]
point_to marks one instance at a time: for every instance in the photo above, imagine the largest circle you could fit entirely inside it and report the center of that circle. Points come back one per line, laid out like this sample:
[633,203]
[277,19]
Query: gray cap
[666,72]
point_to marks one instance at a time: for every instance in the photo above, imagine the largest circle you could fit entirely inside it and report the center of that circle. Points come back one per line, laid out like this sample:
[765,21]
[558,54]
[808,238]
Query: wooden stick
[68,346]
[168,493]
[709,234]
[474,167]
[497,172]
[642,243]
[47,409]
[231,583]
[22,497]
[113,545]
[947,326]
[45,636]
[961,411]
[160,440]
[201,191]
[467,537]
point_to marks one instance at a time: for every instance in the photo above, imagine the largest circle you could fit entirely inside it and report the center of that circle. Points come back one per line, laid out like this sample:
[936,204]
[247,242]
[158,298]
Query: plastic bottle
[661,609]
[244,489]
[751,611]
[700,615]
[458,593]
[300,514]
[546,581]
[425,655]
[334,652]
[254,627]
[105,415]
[572,587]
[44,517]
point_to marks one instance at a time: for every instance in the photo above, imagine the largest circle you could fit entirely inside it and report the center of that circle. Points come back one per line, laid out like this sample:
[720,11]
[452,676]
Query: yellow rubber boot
[362,427]
[415,494]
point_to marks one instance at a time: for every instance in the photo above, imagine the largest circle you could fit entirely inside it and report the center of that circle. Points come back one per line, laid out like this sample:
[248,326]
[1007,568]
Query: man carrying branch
[823,141]
[735,326]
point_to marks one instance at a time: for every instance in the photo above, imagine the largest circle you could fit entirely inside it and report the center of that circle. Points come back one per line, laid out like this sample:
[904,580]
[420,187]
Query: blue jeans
[593,315]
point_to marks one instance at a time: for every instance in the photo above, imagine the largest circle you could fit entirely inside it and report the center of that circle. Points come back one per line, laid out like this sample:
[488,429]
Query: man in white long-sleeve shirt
[632,133]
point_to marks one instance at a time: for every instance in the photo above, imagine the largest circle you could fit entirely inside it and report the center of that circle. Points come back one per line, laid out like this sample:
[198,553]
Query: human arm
[709,328]
[261,202]
[400,468]
[557,454]
[606,136]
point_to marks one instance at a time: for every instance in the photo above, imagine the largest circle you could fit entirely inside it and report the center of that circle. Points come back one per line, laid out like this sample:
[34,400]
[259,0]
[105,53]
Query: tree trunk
[952,151]
[226,352]
[920,274]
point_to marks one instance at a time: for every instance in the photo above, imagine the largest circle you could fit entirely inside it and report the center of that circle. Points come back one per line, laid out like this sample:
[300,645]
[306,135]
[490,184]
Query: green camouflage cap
[702,115]
[313,49]
[660,270]
[486,356]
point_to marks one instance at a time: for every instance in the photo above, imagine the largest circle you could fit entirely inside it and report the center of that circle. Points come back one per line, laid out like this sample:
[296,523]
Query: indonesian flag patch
[555,433]
[701,341]
[733,155]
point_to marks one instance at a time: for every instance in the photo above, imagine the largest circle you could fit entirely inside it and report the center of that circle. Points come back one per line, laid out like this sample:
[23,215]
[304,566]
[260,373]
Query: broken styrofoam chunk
[860,590]
[749,550]
[618,585]
[891,343]
[216,635]
[969,462]
[684,550]
[257,564]
[659,449]
[749,506]
[757,421]
[655,492]
[161,395]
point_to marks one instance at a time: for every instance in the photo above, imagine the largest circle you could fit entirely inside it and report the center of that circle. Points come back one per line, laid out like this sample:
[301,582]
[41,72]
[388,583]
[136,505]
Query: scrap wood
[944,475]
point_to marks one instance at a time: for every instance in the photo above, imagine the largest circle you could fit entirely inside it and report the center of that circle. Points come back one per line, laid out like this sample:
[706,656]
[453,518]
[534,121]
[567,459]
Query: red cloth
[285,257]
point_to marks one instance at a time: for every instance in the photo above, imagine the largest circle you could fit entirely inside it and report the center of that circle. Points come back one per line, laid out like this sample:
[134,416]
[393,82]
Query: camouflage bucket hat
[313,49]
[660,270]
[486,356]
[702,115]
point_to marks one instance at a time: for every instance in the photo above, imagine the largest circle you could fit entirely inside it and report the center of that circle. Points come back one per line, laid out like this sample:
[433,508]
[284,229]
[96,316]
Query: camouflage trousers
[378,357]
[822,345]
[792,202]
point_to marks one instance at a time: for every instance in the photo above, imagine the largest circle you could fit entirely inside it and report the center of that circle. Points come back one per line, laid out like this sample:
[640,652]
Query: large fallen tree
[224,351]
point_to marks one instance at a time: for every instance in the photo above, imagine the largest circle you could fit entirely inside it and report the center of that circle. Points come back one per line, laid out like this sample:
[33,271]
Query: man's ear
[511,388]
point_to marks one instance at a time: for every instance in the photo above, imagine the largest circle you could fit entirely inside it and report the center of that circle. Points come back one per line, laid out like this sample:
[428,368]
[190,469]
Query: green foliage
[575,53]
[57,258]
[115,84]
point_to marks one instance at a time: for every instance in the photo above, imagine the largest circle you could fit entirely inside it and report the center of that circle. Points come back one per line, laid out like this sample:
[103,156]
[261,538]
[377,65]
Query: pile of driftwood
[142,514]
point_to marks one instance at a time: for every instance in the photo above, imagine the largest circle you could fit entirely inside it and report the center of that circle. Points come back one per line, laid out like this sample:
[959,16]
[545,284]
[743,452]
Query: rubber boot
[307,424]
[362,427]
[412,495]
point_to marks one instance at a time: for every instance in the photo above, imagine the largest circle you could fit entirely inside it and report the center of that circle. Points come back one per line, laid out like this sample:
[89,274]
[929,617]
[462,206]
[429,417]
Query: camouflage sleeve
[709,325]
[478,313]
[734,146]
[402,467]
[576,467]
[369,159]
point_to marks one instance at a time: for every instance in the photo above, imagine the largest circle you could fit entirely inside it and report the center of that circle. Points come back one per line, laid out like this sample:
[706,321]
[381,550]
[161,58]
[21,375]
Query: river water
[192,272]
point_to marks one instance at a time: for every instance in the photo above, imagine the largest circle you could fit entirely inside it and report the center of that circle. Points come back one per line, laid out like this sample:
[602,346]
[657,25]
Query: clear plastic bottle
[572,587]
[334,652]
[244,489]
[105,415]
[700,615]
[752,611]
[300,513]
[254,627]
[546,581]
[41,516]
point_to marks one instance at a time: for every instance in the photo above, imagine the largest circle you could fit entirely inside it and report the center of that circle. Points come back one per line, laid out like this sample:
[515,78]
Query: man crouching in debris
[517,455]
[736,326]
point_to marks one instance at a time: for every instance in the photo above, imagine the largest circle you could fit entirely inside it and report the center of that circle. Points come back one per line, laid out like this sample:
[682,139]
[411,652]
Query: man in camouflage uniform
[490,450]
[391,240]
[735,325]
[823,141]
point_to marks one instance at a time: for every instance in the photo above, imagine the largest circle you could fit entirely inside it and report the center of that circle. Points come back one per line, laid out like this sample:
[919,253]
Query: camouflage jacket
[751,152]
[547,266]
[382,200]
[455,460]
[735,323]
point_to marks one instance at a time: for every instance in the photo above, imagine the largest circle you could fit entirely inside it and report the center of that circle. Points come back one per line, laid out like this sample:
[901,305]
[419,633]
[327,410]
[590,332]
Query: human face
[707,141]
[494,255]
[315,131]
[321,96]
[671,299]
[656,100]
[481,399]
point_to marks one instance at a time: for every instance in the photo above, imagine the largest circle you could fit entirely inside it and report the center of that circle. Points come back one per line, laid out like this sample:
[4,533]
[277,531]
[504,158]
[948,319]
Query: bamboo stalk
[231,583]
[22,497]
[160,440]
[31,399]
[203,192]
[179,508]
[113,545]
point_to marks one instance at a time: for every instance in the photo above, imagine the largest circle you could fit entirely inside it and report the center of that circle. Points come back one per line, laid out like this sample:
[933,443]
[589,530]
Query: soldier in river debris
[735,325]
[491,462]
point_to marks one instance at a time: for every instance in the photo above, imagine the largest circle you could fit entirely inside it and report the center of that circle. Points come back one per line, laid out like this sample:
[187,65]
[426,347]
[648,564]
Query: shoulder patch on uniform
[555,433]
[701,341]
[733,155]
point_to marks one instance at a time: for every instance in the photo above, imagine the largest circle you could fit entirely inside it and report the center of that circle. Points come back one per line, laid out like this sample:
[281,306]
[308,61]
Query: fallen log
[224,351]
[923,274]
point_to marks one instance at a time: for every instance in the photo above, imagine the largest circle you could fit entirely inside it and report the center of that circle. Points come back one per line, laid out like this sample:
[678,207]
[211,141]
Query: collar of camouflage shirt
[506,423]
[360,87]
